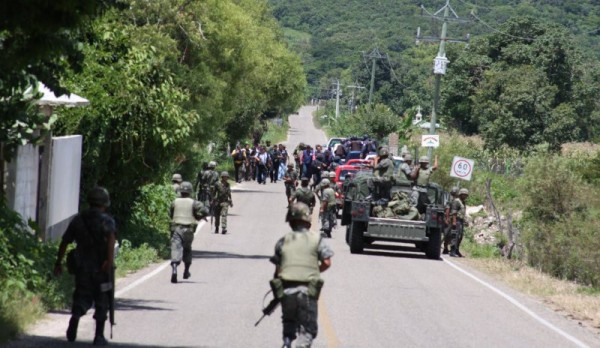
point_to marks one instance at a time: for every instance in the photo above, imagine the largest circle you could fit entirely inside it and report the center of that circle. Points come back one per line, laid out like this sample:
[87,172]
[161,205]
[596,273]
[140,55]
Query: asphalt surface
[388,297]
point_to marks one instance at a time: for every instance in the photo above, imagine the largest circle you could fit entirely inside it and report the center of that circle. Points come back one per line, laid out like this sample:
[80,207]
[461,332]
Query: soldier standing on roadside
[448,229]
[94,232]
[290,179]
[176,183]
[300,257]
[184,213]
[304,195]
[328,206]
[222,202]
[458,213]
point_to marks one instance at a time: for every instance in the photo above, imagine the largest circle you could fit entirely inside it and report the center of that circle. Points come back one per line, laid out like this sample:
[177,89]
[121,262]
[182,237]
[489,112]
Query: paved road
[388,297]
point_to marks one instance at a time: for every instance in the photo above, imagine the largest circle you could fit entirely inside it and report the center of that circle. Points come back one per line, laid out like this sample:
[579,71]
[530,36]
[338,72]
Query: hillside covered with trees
[514,45]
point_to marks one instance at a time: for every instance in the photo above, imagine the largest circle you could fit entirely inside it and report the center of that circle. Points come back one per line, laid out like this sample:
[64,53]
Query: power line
[500,31]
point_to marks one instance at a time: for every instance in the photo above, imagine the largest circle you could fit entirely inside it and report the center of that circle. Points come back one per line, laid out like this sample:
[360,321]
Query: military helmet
[454,191]
[408,157]
[325,174]
[331,175]
[301,145]
[423,159]
[225,174]
[305,179]
[186,187]
[384,151]
[298,212]
[325,182]
[212,164]
[463,191]
[98,197]
[177,178]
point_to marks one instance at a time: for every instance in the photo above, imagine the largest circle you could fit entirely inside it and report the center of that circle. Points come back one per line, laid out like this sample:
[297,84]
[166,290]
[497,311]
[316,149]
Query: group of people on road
[259,162]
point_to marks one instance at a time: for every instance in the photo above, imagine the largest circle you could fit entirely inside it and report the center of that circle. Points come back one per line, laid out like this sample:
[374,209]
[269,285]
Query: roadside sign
[462,168]
[430,140]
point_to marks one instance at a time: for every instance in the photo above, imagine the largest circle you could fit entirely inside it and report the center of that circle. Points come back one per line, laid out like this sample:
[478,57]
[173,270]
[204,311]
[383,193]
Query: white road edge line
[153,273]
[517,304]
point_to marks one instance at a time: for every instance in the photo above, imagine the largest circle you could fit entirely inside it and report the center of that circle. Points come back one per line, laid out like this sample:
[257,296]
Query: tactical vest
[461,213]
[183,211]
[424,174]
[387,172]
[329,197]
[304,195]
[299,256]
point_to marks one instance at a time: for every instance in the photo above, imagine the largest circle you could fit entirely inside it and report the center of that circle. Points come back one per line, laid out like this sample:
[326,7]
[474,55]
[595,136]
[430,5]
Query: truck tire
[356,238]
[434,245]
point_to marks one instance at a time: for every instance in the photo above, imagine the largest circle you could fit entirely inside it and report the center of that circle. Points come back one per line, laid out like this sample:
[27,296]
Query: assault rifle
[111,302]
[269,309]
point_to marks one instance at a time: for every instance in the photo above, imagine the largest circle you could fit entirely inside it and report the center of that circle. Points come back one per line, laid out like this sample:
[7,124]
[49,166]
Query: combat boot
[72,329]
[287,342]
[445,251]
[174,273]
[217,229]
[453,252]
[99,339]
[224,231]
[186,272]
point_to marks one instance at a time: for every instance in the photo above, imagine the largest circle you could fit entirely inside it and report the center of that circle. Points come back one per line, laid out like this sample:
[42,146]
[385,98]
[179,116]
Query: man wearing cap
[176,183]
[290,179]
[222,203]
[421,175]
[184,213]
[300,257]
[458,213]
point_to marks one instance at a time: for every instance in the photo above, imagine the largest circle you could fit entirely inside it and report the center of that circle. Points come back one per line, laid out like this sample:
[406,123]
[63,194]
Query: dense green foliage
[529,75]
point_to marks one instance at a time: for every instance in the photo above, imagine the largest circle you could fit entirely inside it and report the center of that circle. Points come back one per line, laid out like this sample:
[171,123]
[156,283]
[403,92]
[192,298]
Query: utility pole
[374,56]
[337,92]
[440,62]
[354,87]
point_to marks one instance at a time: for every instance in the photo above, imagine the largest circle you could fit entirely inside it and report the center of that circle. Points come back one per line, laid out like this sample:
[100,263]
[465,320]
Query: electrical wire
[500,31]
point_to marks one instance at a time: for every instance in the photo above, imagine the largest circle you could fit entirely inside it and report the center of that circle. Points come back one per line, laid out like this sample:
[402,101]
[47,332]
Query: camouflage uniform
[458,209]
[290,179]
[328,216]
[222,201]
[304,195]
[297,257]
[176,180]
[210,178]
[419,195]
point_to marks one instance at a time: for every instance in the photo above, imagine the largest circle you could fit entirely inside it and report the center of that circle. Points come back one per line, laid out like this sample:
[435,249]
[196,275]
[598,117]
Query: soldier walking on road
[290,179]
[300,257]
[458,213]
[184,213]
[176,181]
[304,195]
[222,203]
[210,178]
[328,205]
[94,232]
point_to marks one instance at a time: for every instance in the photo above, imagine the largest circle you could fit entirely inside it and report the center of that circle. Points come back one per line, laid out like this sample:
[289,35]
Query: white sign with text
[462,168]
[430,140]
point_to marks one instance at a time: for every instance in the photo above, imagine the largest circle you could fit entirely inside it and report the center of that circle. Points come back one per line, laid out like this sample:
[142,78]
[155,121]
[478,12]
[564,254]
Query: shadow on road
[28,341]
[139,305]
[225,255]
[394,251]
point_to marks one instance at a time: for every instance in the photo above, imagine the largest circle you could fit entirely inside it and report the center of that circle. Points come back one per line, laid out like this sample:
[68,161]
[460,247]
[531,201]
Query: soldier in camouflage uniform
[406,167]
[210,178]
[222,202]
[290,179]
[304,195]
[94,232]
[447,207]
[184,213]
[300,256]
[328,206]
[421,175]
[458,213]
[176,183]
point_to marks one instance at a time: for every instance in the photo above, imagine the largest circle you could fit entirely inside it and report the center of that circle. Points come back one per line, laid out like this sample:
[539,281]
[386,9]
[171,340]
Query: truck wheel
[433,250]
[356,238]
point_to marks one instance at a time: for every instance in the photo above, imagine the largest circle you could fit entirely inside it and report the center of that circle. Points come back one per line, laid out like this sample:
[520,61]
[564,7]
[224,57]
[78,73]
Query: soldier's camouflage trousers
[289,190]
[221,211]
[181,244]
[87,293]
[328,220]
[299,315]
[457,235]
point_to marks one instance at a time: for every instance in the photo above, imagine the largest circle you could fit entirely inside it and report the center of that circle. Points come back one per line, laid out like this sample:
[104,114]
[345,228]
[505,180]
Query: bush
[149,222]
[131,259]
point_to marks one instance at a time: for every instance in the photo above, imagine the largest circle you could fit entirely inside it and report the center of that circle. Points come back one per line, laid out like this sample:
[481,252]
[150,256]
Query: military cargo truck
[365,198]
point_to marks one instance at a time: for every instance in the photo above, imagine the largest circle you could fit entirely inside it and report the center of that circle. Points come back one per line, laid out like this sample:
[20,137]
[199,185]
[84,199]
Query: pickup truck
[363,228]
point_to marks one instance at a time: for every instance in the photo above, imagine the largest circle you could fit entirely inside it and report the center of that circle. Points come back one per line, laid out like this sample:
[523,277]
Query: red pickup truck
[341,173]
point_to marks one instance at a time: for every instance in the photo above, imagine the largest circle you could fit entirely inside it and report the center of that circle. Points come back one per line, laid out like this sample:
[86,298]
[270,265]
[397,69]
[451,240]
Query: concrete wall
[22,181]
[63,193]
